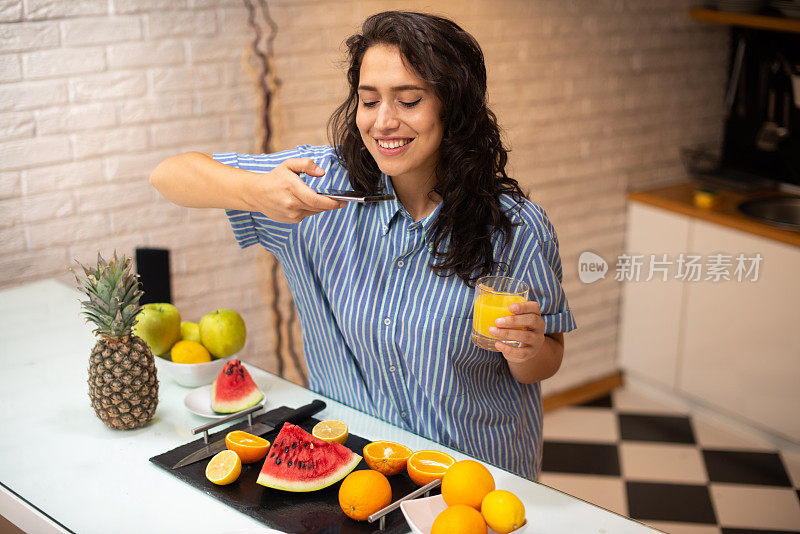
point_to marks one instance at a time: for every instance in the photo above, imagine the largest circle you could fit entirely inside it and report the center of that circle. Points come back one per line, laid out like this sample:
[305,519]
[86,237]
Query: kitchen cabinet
[740,348]
[731,345]
[649,337]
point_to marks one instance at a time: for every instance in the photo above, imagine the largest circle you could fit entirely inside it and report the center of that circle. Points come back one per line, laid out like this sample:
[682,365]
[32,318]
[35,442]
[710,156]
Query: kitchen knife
[259,429]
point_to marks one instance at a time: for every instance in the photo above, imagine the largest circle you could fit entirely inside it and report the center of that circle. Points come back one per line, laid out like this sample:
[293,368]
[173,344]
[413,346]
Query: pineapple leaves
[113,292]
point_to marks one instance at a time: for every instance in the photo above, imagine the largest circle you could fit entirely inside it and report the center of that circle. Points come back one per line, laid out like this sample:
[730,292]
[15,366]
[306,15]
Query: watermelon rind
[342,460]
[234,389]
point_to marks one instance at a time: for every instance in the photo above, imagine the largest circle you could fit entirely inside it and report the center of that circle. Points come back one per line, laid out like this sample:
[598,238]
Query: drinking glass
[493,296]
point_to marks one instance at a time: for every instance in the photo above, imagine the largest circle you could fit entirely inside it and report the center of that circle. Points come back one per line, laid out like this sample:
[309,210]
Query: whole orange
[363,493]
[466,482]
[460,518]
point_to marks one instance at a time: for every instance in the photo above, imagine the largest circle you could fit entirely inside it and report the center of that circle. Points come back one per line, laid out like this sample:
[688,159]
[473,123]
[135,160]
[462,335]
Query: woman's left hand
[527,316]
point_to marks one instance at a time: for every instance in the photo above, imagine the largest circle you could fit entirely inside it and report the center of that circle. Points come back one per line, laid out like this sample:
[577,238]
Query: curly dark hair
[470,173]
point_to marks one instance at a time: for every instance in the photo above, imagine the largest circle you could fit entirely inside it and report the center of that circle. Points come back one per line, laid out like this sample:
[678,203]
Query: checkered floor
[677,471]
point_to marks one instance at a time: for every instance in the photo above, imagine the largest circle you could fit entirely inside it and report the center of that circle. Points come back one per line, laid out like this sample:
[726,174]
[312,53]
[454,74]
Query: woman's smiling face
[398,115]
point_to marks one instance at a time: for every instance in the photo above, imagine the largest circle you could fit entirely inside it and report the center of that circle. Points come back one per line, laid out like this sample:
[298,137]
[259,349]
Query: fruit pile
[301,462]
[473,502]
[219,334]
[295,461]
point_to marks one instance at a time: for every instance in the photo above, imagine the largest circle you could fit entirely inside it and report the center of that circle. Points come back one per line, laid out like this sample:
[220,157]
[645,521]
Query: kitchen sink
[783,212]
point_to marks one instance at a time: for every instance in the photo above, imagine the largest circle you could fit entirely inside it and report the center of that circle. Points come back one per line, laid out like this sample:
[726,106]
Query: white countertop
[62,469]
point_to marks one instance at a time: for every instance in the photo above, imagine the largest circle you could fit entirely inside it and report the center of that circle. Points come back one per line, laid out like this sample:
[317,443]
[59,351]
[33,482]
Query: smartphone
[355,196]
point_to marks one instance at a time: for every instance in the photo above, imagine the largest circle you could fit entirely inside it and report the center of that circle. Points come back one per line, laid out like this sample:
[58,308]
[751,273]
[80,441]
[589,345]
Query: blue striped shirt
[384,334]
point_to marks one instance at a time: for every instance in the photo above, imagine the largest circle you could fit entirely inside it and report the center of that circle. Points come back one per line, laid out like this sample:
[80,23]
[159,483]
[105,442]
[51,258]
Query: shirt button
[400,263]
[403,415]
[387,322]
[392,369]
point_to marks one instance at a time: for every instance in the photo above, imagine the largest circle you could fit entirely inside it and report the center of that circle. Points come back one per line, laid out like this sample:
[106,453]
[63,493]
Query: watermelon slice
[297,461]
[233,389]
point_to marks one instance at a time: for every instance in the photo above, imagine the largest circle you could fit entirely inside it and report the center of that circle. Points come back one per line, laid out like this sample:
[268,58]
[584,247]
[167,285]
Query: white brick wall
[93,94]
[594,97]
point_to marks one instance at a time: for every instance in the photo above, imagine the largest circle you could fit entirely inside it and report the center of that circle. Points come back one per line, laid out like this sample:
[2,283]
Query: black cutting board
[315,512]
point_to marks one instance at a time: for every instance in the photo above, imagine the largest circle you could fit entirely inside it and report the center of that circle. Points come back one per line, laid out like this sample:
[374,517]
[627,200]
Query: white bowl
[420,513]
[191,375]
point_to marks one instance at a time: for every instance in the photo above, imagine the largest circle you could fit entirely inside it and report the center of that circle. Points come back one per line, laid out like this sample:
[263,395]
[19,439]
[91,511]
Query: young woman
[384,290]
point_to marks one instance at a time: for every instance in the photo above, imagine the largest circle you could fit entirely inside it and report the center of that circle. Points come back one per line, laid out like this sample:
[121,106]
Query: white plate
[420,513]
[198,401]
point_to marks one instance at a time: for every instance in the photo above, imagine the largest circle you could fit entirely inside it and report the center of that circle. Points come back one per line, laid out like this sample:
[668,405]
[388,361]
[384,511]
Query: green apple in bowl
[222,332]
[159,325]
[190,331]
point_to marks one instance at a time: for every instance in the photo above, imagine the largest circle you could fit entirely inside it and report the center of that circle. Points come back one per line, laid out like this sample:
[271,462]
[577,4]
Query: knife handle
[304,412]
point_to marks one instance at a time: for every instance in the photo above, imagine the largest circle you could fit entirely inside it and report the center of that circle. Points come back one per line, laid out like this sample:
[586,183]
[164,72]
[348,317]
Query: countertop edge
[655,197]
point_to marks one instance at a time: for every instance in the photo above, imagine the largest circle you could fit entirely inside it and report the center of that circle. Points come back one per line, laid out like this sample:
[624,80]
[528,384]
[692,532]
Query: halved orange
[224,468]
[249,447]
[331,430]
[426,466]
[386,457]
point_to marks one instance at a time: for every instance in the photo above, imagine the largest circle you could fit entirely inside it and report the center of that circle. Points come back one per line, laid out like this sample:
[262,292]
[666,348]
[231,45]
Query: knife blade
[259,429]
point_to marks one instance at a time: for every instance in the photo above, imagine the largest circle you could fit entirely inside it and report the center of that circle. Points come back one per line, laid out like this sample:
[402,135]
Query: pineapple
[123,385]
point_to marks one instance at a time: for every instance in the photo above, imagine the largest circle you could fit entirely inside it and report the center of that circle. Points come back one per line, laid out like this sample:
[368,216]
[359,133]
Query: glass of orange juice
[493,296]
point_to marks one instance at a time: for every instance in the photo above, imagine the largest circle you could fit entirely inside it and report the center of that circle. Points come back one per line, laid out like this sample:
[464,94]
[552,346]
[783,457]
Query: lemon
[189,352]
[331,430]
[503,511]
[224,468]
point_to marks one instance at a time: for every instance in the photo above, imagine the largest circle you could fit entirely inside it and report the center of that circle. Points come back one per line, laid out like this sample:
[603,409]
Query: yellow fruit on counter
[331,430]
[224,468]
[189,352]
[460,518]
[503,511]
[466,482]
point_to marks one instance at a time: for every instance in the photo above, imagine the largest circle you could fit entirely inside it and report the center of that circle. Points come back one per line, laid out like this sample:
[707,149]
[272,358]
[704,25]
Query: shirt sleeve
[544,275]
[249,227]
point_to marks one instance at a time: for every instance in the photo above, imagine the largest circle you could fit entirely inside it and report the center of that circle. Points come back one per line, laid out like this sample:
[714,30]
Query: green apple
[159,325]
[190,331]
[222,332]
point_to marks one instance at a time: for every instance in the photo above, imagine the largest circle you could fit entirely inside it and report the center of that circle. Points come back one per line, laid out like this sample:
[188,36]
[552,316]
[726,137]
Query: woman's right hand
[196,180]
[282,195]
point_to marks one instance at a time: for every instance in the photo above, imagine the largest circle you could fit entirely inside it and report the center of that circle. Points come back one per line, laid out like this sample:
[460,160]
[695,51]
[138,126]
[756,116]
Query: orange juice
[491,306]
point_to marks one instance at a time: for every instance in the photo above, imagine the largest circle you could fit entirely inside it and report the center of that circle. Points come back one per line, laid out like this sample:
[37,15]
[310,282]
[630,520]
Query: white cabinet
[651,311]
[731,345]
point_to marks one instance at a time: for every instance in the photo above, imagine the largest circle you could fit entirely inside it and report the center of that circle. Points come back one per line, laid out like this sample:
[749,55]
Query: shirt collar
[391,209]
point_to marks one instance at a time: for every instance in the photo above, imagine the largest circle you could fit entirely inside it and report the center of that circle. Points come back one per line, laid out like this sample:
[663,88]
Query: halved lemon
[249,447]
[426,466]
[386,457]
[331,430]
[224,468]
